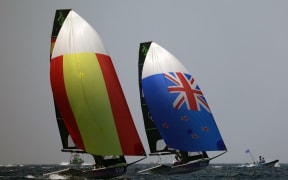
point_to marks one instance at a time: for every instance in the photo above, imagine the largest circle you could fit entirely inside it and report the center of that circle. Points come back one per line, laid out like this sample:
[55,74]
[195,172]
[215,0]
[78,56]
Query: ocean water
[213,172]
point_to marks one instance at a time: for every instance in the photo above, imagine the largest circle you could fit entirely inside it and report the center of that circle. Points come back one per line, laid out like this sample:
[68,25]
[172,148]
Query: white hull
[266,164]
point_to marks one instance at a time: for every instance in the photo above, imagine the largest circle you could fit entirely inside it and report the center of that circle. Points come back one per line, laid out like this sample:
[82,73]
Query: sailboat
[177,118]
[91,110]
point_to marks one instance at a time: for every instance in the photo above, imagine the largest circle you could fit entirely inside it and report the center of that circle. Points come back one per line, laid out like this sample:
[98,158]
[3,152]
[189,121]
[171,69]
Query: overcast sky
[236,50]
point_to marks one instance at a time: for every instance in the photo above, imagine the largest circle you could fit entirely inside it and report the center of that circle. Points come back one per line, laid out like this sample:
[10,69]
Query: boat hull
[266,164]
[101,173]
[179,169]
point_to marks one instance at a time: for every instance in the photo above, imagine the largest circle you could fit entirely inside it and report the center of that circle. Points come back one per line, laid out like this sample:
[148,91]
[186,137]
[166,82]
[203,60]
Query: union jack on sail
[189,92]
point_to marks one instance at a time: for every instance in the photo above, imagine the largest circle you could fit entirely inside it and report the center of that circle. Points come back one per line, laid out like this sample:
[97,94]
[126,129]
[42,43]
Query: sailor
[261,159]
[177,160]
[184,156]
[98,161]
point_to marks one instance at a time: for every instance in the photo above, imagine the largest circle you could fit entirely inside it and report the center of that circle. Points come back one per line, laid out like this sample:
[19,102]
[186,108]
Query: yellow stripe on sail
[89,101]
[52,47]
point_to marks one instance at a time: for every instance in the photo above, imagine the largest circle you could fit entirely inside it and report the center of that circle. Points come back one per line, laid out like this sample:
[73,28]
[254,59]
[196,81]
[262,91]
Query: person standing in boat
[181,158]
[177,160]
[98,161]
[261,159]
[184,156]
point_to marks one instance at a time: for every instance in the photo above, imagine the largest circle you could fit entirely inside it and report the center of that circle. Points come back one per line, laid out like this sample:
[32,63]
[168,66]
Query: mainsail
[89,101]
[176,114]
[153,135]
[67,143]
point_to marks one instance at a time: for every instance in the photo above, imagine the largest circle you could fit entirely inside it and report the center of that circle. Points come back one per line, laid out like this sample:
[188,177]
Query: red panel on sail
[61,100]
[130,141]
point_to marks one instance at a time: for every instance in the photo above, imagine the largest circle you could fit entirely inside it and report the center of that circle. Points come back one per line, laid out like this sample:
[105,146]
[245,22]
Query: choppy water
[219,171]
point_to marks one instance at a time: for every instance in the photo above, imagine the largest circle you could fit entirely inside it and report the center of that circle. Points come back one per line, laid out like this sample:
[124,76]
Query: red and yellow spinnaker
[87,92]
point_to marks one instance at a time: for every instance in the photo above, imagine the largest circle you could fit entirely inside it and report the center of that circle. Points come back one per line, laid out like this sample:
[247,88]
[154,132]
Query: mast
[251,156]
[153,134]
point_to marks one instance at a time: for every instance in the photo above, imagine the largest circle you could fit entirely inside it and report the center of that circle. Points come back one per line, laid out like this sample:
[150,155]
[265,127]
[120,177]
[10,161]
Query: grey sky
[236,50]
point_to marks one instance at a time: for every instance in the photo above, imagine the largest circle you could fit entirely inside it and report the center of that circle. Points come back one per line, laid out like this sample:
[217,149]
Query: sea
[212,172]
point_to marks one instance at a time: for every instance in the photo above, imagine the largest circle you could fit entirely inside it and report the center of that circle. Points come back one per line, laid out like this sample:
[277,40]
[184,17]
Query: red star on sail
[206,129]
[184,118]
[195,136]
[165,125]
